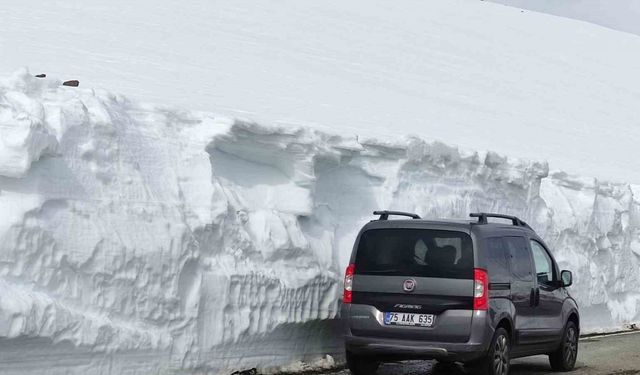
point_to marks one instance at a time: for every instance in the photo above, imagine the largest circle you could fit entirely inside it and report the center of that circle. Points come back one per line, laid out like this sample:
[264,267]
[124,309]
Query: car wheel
[564,358]
[497,361]
[359,365]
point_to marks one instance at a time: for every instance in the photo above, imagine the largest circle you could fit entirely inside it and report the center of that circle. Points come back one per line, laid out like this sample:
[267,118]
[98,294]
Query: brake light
[480,289]
[348,283]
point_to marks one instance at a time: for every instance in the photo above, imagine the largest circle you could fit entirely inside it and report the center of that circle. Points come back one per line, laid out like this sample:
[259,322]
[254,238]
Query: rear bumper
[376,341]
[387,349]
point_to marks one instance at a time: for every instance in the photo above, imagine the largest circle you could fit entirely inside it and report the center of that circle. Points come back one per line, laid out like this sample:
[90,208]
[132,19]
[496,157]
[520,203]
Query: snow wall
[144,238]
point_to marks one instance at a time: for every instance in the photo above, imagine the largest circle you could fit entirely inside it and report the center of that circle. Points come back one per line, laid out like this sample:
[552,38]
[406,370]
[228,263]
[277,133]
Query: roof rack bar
[482,218]
[384,215]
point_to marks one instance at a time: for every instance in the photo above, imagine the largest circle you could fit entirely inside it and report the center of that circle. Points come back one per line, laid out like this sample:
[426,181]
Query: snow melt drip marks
[134,233]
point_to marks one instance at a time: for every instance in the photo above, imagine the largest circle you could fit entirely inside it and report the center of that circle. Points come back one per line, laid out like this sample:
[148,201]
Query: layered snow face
[209,243]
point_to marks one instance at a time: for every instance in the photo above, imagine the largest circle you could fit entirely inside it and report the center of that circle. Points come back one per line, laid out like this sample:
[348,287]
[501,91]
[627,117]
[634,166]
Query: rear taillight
[480,289]
[348,283]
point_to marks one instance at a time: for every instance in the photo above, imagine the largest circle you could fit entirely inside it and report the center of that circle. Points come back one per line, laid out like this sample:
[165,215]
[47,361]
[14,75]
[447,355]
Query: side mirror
[566,278]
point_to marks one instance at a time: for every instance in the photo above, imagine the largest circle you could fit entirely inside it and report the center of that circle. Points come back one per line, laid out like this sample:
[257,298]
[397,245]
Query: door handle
[532,297]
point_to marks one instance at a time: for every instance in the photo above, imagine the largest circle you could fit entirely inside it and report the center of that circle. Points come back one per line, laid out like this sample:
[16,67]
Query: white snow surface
[466,72]
[145,238]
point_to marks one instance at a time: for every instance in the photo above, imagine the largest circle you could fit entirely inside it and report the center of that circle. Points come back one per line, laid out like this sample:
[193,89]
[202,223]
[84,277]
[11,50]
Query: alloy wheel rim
[570,346]
[501,356]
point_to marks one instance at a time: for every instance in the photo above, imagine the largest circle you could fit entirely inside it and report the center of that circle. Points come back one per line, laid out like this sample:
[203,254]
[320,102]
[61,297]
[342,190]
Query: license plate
[408,319]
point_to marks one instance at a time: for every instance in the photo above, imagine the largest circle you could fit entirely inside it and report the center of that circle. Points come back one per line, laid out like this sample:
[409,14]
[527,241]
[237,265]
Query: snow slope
[144,238]
[620,15]
[460,71]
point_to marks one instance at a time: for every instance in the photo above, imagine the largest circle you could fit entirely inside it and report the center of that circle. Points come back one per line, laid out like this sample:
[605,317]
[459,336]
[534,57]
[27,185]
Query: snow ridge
[221,242]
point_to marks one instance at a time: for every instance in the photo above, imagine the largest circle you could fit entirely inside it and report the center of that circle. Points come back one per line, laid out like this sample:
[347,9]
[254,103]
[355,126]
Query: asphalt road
[603,355]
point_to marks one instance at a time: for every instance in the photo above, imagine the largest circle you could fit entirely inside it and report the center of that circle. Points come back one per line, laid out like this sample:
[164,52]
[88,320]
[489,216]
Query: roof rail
[482,218]
[384,215]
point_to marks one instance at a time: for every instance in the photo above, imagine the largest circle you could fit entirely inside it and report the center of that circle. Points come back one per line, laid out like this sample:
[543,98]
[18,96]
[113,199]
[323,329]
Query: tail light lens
[348,283]
[480,289]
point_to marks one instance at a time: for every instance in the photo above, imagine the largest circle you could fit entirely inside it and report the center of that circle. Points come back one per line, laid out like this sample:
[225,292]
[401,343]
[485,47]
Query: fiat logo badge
[409,285]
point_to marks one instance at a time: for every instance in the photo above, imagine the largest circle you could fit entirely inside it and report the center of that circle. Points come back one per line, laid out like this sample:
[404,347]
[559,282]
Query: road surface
[603,355]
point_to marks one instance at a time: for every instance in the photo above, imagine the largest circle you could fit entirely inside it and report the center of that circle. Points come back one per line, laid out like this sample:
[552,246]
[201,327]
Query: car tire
[498,360]
[359,365]
[564,358]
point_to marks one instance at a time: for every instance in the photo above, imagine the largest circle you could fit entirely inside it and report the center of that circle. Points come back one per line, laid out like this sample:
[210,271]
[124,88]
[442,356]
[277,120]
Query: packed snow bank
[202,242]
[459,71]
[24,135]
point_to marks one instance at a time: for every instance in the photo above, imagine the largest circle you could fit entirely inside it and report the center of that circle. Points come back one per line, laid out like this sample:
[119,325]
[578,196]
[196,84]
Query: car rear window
[415,252]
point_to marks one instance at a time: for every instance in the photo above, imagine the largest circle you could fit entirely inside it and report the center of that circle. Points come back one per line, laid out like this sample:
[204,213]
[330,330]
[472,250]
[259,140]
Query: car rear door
[522,288]
[408,272]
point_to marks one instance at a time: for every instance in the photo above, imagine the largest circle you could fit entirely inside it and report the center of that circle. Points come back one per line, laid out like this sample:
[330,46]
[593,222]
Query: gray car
[470,291]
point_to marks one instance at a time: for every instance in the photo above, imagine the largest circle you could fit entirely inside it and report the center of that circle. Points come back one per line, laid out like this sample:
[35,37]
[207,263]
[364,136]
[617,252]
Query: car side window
[543,263]
[521,264]
[497,260]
